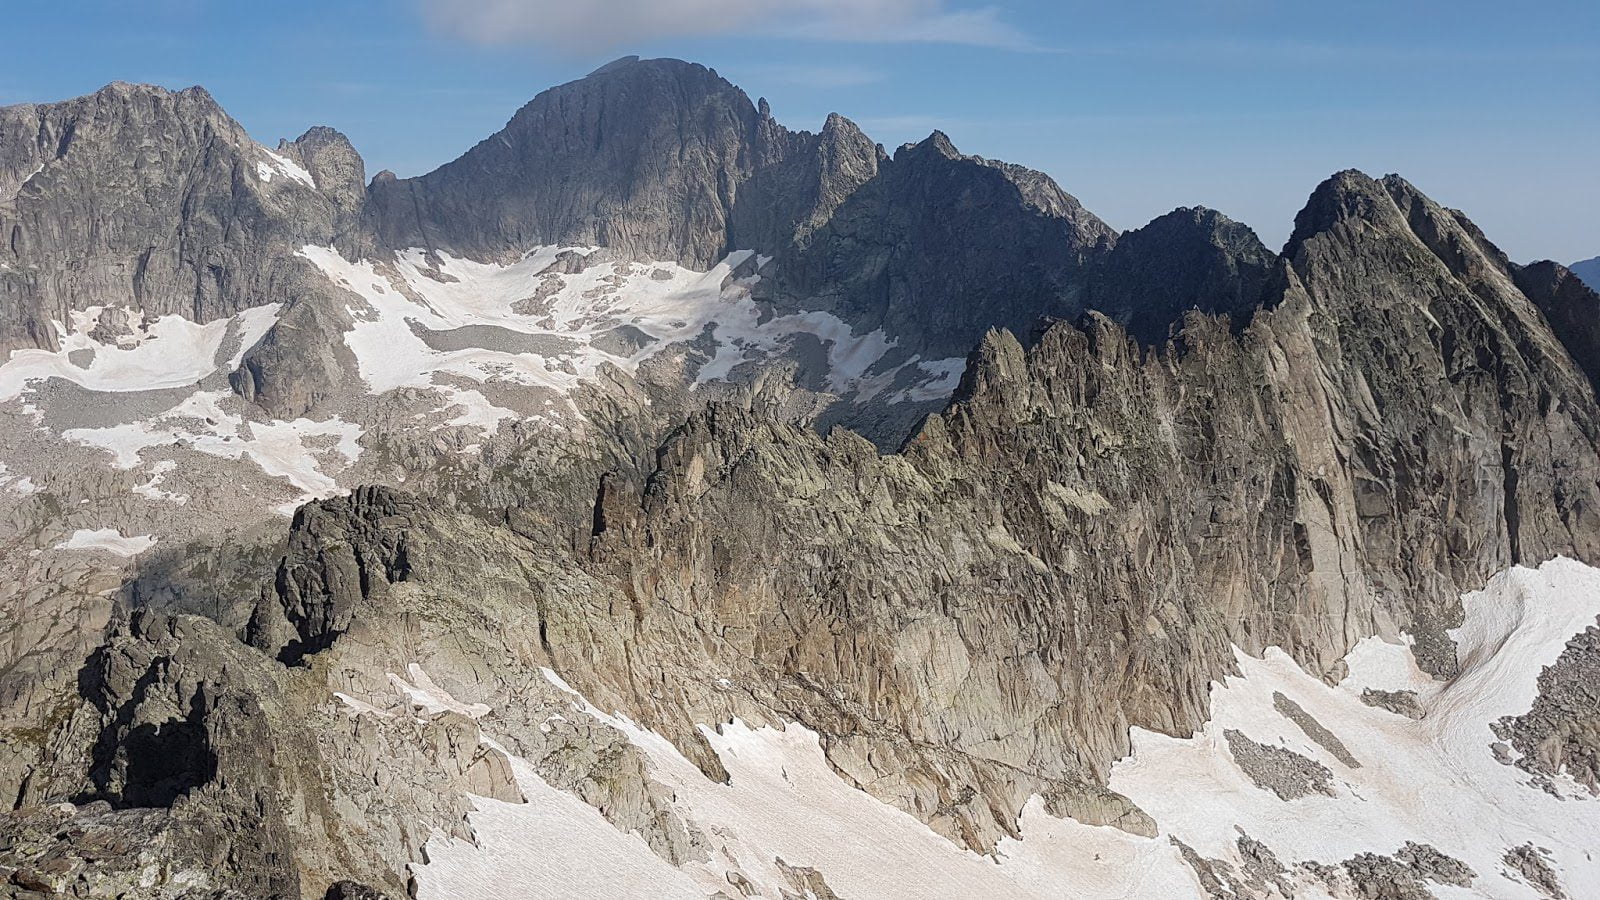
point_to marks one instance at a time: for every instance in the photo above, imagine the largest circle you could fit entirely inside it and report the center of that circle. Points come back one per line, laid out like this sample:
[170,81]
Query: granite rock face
[644,157]
[140,197]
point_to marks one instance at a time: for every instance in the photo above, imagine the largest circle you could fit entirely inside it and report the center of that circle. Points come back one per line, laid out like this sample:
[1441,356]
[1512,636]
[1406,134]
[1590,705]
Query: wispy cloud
[594,25]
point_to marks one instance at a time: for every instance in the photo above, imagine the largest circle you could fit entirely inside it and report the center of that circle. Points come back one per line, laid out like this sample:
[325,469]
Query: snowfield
[115,350]
[539,323]
[109,540]
[168,352]
[1433,780]
[287,450]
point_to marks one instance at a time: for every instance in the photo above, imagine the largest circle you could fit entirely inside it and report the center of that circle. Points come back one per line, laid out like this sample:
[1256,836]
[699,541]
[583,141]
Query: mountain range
[658,501]
[1588,270]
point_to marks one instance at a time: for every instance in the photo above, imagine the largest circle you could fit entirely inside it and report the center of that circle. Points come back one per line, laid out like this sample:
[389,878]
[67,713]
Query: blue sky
[1135,107]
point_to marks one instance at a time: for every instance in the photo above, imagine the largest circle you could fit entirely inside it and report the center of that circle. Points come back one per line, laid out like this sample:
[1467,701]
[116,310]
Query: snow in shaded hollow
[21,485]
[1432,781]
[575,313]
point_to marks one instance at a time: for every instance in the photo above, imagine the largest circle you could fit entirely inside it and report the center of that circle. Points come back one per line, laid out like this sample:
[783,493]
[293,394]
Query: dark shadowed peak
[1345,196]
[937,247]
[1352,214]
[1190,258]
[1572,308]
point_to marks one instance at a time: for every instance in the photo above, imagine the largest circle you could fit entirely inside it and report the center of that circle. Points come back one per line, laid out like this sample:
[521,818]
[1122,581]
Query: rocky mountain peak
[1191,258]
[147,198]
[643,156]
[1347,194]
[1572,308]
[335,166]
[620,62]
[936,143]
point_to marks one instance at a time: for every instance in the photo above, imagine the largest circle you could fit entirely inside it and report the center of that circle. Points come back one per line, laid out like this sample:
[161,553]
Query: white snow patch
[166,353]
[360,707]
[431,699]
[554,845]
[1432,781]
[200,423]
[109,540]
[287,166]
[783,800]
[151,489]
[665,302]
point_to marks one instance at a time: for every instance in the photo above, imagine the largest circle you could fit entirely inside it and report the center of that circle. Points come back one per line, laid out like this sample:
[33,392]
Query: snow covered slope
[554,317]
[1295,788]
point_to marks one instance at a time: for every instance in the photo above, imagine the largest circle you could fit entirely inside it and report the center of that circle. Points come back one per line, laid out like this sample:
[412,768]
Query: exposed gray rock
[146,198]
[933,223]
[645,158]
[1401,703]
[808,883]
[301,361]
[1262,877]
[1560,735]
[1277,769]
[1533,864]
[1403,876]
[351,890]
[1190,258]
[1313,729]
[1572,308]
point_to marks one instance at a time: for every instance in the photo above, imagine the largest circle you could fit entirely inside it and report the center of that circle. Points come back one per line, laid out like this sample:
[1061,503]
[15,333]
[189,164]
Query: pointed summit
[937,143]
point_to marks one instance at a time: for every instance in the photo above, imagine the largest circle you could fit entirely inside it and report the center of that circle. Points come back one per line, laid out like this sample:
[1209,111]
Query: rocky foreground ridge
[1166,444]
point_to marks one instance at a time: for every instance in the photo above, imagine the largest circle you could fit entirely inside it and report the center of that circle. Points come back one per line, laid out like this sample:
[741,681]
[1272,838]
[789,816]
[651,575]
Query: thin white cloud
[590,25]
